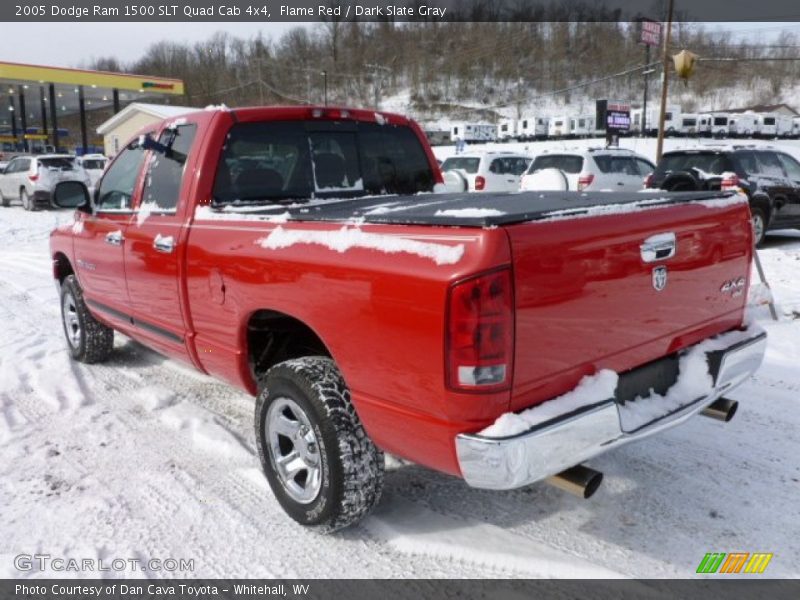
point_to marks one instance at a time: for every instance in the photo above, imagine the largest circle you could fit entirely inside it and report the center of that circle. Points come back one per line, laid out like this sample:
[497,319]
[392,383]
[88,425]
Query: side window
[497,166]
[644,166]
[116,187]
[748,163]
[165,172]
[11,167]
[791,165]
[770,166]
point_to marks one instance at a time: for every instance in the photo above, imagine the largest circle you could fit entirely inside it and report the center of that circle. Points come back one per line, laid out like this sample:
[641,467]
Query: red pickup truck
[301,254]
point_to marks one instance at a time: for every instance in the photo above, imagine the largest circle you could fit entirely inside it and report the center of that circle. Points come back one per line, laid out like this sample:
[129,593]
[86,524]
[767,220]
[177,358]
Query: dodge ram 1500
[301,254]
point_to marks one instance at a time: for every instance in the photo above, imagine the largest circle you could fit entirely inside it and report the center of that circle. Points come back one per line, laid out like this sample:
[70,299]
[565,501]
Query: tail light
[33,176]
[648,180]
[730,181]
[585,180]
[480,183]
[480,333]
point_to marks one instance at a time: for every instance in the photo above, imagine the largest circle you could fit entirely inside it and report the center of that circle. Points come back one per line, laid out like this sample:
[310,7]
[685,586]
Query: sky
[76,44]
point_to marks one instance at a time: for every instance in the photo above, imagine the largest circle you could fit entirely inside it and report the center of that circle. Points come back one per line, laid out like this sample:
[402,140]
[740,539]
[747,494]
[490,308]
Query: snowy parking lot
[142,457]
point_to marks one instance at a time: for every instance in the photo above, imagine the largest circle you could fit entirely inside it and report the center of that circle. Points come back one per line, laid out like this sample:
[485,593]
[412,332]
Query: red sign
[650,32]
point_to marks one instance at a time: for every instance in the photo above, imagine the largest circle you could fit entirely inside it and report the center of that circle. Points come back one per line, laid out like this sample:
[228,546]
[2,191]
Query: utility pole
[325,87]
[646,86]
[377,81]
[662,116]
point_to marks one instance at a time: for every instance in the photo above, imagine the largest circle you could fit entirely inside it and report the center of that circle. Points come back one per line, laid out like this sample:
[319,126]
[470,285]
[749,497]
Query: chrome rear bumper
[565,441]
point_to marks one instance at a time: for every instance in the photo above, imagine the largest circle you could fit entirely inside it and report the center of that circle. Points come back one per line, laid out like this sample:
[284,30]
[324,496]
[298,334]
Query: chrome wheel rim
[294,450]
[72,325]
[758,227]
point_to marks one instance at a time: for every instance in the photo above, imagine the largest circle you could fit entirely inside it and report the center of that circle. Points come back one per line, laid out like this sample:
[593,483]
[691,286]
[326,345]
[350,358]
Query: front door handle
[164,243]
[658,247]
[115,238]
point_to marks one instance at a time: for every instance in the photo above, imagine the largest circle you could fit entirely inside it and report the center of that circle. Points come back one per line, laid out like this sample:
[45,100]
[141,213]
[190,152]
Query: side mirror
[72,194]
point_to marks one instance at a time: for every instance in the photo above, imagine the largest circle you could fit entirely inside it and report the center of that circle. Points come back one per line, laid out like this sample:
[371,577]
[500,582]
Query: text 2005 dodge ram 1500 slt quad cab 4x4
[299,254]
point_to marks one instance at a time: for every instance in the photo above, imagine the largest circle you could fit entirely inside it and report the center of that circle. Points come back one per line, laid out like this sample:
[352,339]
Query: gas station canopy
[39,95]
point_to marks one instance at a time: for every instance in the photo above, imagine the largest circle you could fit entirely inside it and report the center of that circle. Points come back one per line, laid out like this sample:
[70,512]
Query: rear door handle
[661,246]
[115,238]
[164,244]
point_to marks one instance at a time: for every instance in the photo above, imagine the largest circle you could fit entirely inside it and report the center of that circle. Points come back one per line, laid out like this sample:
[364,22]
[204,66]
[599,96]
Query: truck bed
[481,210]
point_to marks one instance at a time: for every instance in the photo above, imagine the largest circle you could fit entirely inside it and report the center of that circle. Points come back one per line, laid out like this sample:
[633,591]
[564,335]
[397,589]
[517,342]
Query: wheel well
[763,203]
[273,337]
[61,267]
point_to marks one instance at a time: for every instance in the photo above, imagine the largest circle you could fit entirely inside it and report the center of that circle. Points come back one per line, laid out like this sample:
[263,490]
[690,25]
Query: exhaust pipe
[579,480]
[721,409]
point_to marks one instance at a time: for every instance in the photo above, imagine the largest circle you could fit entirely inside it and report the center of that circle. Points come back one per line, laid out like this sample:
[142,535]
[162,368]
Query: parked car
[443,329]
[93,164]
[485,171]
[598,169]
[769,177]
[31,179]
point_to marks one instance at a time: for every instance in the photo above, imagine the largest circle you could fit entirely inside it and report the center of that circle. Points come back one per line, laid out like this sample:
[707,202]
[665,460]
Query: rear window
[568,163]
[467,164]
[616,164]
[57,163]
[714,163]
[94,163]
[295,160]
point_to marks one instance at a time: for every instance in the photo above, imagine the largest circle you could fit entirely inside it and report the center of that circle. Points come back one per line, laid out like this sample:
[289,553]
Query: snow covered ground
[141,457]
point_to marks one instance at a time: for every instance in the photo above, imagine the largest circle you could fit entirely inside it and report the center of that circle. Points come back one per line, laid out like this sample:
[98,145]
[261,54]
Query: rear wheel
[322,467]
[759,222]
[27,203]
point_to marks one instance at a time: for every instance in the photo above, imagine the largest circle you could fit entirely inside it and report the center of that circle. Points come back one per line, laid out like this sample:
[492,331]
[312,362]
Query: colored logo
[735,562]
[157,86]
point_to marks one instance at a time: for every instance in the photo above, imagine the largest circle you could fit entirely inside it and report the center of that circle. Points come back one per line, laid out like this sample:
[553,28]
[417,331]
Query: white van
[672,122]
[559,127]
[582,125]
[746,124]
[506,130]
[473,132]
[532,127]
[774,125]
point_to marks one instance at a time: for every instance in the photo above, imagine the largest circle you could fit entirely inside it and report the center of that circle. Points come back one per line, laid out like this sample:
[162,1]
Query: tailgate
[589,295]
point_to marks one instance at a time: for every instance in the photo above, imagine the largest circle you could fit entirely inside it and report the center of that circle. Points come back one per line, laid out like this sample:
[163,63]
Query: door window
[770,165]
[165,172]
[791,165]
[117,186]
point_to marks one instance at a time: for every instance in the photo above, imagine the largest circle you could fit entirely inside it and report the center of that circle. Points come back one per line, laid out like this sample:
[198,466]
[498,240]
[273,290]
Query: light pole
[662,116]
[325,86]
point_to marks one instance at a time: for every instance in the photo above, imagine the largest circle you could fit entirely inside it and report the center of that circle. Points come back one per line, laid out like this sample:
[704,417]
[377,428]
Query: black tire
[88,340]
[759,229]
[27,203]
[350,467]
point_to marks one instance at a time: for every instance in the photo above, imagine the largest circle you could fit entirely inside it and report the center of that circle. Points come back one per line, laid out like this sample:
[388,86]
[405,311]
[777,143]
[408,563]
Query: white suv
[484,171]
[596,169]
[32,179]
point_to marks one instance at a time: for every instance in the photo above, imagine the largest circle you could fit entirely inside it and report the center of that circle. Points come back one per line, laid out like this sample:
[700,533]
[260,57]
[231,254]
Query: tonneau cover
[478,210]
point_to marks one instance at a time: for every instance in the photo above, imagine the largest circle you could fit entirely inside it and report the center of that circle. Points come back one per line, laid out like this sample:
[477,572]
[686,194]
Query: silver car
[31,179]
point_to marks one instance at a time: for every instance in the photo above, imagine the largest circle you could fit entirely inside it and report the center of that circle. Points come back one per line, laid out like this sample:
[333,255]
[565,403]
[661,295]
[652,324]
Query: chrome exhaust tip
[721,409]
[579,481]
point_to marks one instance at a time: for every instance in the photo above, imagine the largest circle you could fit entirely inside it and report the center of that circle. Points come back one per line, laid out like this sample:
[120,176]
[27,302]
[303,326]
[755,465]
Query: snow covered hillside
[143,457]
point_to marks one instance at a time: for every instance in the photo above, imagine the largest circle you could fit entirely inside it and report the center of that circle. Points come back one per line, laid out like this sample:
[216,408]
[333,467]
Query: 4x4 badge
[659,278]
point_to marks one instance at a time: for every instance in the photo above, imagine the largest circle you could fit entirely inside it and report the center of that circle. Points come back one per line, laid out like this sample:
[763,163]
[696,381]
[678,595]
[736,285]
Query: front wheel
[322,467]
[88,340]
[759,222]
